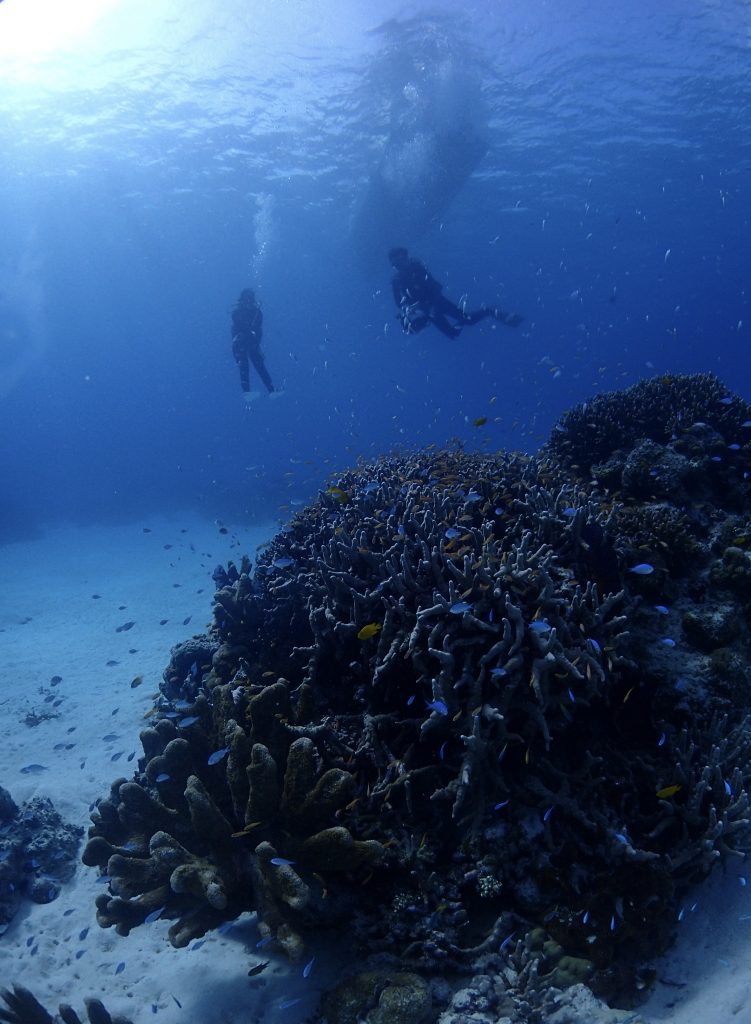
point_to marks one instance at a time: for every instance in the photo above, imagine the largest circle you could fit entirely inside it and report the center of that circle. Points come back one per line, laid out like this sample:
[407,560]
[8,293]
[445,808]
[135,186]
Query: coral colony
[485,712]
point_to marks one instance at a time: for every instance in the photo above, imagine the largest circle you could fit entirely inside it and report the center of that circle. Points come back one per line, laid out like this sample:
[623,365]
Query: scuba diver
[421,300]
[247,330]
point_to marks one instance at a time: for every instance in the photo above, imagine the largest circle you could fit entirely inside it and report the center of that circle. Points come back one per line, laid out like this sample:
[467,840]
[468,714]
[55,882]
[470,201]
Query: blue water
[584,164]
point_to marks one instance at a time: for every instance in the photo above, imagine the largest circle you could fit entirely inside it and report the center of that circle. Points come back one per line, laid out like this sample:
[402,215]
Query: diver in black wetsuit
[421,300]
[247,331]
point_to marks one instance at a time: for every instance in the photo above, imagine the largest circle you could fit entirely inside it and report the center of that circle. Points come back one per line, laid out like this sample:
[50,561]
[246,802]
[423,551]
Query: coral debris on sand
[462,699]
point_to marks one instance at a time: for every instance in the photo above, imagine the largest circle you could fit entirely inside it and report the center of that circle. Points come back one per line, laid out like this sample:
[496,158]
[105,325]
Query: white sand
[51,625]
[50,583]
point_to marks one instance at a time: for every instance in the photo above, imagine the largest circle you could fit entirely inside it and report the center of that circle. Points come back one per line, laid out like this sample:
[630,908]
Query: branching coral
[424,703]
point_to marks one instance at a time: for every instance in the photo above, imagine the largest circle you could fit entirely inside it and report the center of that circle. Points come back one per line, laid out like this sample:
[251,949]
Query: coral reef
[24,1008]
[378,997]
[462,698]
[694,409]
[38,853]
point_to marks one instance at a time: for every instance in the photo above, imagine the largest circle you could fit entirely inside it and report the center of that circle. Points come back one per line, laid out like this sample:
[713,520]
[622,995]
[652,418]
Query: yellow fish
[667,791]
[480,421]
[338,494]
[368,631]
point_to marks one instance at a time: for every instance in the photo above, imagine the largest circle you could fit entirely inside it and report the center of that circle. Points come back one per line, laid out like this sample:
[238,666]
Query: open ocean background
[587,165]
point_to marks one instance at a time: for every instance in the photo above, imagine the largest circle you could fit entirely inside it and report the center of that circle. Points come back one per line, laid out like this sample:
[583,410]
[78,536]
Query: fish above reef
[369,631]
[338,494]
[668,791]
[258,968]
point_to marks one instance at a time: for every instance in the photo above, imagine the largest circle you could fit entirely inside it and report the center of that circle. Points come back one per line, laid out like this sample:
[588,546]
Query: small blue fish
[280,862]
[642,569]
[662,609]
[501,805]
[120,967]
[569,512]
[185,722]
[734,447]
[498,673]
[473,496]
[667,641]
[218,755]
[505,942]
[585,917]
[596,646]
[452,532]
[198,944]
[82,934]
[661,741]
[162,777]
[728,788]
[716,458]
[438,705]
[746,423]
[727,400]
[621,838]
[540,626]
[283,563]
[571,696]
[410,700]
[308,967]
[154,915]
[442,751]
[34,769]
[546,815]
[459,607]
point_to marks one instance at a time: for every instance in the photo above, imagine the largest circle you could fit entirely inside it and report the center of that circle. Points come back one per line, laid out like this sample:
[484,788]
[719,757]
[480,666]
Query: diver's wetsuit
[247,330]
[421,302]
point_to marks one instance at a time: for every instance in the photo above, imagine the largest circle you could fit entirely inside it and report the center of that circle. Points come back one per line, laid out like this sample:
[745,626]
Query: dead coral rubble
[439,709]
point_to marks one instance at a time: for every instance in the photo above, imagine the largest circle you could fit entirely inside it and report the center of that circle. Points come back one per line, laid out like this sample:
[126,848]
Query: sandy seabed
[52,624]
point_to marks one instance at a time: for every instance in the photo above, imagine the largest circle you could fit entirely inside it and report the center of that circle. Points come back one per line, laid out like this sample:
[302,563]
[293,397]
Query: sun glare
[32,30]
